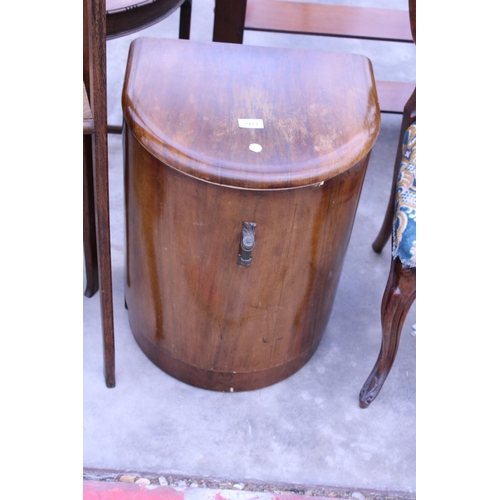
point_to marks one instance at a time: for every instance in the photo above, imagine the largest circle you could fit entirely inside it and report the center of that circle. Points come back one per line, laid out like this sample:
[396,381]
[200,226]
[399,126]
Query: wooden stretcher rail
[393,96]
[328,20]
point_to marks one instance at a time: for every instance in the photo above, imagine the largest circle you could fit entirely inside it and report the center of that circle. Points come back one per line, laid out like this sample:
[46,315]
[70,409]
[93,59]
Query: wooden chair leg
[89,229]
[386,229]
[104,259]
[97,248]
[399,295]
[96,19]
[185,20]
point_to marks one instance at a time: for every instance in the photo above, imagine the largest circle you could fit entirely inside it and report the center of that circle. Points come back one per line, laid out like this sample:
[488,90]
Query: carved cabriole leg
[399,295]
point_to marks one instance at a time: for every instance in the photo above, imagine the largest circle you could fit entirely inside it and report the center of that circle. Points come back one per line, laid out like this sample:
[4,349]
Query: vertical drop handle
[247,243]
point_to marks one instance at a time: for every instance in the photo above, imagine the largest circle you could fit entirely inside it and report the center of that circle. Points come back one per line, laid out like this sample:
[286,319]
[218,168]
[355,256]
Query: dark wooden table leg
[185,20]
[229,21]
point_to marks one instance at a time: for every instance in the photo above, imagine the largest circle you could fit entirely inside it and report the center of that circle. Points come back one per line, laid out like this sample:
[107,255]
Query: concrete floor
[307,429]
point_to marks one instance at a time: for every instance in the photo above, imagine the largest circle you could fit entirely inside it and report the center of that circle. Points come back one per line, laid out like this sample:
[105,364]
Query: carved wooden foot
[400,292]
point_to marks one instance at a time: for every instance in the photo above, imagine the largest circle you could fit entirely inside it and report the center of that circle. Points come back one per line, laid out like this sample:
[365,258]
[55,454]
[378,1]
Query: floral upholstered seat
[404,228]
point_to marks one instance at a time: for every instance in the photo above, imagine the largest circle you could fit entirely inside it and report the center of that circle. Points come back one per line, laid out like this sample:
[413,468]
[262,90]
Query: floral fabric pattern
[404,228]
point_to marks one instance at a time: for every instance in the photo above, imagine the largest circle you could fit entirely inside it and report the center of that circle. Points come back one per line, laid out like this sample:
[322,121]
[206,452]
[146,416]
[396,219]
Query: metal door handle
[247,243]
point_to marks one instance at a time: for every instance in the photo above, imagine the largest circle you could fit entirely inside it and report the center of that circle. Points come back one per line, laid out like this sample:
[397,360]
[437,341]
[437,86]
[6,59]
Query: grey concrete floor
[307,429]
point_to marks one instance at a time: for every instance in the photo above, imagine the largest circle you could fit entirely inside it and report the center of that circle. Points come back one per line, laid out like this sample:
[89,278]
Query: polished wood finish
[399,295]
[319,109]
[191,182]
[96,173]
[328,20]
[199,315]
[232,17]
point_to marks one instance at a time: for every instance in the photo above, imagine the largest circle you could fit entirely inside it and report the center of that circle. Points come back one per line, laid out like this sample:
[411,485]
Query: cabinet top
[250,117]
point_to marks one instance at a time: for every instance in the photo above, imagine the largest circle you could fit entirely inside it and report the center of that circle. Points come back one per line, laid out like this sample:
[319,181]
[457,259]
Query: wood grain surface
[190,303]
[191,182]
[183,99]
[328,20]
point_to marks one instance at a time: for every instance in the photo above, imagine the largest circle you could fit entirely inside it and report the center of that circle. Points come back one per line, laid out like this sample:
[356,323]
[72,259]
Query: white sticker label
[256,148]
[250,123]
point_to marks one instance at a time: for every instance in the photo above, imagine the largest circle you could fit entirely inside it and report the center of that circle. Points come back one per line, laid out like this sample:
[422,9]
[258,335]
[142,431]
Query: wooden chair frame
[400,291]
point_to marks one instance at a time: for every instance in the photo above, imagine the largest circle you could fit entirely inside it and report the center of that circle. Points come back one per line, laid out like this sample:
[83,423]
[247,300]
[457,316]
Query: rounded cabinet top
[250,117]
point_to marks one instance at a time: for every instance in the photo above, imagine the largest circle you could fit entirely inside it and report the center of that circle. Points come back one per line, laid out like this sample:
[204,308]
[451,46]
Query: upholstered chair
[400,291]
